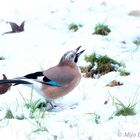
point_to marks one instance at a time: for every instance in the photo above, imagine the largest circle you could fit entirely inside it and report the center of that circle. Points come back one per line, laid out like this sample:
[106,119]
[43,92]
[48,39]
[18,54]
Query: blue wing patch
[53,83]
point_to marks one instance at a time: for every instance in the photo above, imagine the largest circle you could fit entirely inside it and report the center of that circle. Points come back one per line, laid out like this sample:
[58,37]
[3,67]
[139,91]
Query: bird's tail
[14,81]
[19,81]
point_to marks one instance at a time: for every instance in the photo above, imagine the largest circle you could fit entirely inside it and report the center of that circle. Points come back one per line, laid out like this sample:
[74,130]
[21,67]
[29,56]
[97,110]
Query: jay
[56,81]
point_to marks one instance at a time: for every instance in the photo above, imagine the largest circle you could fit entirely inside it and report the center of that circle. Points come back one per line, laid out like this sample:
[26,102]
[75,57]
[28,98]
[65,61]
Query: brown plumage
[68,76]
[65,73]
[4,87]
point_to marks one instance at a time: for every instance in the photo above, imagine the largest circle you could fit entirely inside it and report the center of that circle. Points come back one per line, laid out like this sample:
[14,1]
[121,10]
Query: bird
[58,80]
[15,28]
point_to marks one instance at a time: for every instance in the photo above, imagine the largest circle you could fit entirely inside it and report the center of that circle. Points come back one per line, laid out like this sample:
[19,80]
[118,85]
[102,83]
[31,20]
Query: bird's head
[71,56]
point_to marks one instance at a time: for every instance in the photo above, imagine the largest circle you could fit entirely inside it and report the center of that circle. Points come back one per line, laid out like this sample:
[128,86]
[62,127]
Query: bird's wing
[14,26]
[34,76]
[61,75]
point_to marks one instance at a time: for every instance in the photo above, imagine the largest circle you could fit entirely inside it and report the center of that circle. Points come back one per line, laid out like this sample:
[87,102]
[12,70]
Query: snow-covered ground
[45,39]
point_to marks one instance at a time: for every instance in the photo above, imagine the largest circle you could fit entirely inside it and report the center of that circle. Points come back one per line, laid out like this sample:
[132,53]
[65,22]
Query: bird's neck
[68,63]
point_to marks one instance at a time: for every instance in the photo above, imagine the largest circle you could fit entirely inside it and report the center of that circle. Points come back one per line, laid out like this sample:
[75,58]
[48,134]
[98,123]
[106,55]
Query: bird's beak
[77,49]
[79,53]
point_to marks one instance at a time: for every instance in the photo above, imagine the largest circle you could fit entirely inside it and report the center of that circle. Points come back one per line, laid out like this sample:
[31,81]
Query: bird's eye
[72,55]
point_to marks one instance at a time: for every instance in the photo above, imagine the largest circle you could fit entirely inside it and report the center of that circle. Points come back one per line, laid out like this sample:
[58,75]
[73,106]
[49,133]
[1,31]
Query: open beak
[78,53]
[77,49]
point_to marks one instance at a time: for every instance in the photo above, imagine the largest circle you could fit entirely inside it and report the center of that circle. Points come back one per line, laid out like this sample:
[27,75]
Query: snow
[45,39]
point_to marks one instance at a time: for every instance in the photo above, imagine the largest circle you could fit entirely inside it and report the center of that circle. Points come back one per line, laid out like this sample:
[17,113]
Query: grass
[124,73]
[2,58]
[74,27]
[33,106]
[95,117]
[102,64]
[122,109]
[125,110]
[40,129]
[9,114]
[102,29]
[137,42]
[36,108]
[100,60]
[39,122]
[37,112]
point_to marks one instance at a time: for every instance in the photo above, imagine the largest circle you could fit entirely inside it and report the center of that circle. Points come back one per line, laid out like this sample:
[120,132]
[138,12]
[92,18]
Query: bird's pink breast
[51,92]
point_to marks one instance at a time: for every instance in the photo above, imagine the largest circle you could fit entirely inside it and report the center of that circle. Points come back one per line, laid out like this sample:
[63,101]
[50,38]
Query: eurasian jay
[57,81]
[15,28]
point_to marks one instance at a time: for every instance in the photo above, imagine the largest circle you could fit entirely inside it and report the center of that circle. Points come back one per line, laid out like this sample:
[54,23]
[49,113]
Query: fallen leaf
[4,87]
[15,28]
[114,83]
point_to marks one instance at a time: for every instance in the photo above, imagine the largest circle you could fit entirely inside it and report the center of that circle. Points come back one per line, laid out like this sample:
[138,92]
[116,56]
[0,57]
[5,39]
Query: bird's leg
[51,106]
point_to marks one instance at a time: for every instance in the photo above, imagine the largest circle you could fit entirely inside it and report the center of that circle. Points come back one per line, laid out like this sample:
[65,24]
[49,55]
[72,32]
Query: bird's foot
[53,107]
[49,105]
